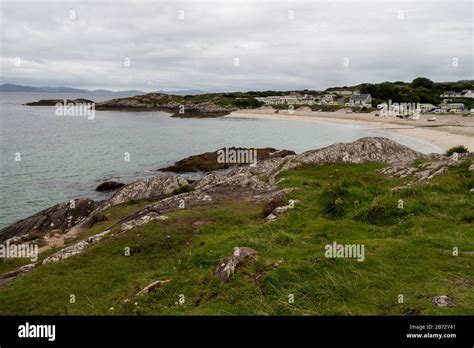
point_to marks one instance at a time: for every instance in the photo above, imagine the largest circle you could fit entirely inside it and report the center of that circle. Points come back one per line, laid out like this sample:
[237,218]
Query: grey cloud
[274,52]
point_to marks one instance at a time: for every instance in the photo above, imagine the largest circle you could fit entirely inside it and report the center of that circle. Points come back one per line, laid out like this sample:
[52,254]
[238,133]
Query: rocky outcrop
[152,287]
[364,150]
[240,256]
[65,253]
[421,173]
[278,211]
[209,161]
[142,220]
[7,277]
[109,186]
[258,183]
[369,149]
[62,217]
[151,188]
[53,102]
[58,218]
[76,248]
[179,106]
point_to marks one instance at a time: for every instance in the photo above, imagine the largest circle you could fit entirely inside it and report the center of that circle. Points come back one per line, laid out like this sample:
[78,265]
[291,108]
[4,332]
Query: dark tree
[422,82]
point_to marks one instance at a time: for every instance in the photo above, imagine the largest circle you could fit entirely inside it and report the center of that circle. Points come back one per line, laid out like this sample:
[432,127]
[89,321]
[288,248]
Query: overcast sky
[234,45]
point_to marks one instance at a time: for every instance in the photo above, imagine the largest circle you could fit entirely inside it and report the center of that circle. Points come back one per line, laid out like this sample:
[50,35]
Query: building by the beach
[360,100]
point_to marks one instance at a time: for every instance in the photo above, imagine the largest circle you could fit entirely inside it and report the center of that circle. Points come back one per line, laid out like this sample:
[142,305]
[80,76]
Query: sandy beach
[447,131]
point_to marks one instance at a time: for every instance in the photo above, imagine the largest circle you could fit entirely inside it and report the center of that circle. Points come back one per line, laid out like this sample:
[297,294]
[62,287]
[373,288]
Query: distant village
[354,99]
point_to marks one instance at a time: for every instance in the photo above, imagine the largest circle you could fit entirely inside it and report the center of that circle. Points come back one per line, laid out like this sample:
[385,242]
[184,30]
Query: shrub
[183,189]
[247,103]
[468,219]
[383,210]
[457,149]
[334,197]
[95,218]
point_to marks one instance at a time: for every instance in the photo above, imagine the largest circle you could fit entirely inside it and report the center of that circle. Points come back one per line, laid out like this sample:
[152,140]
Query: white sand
[447,131]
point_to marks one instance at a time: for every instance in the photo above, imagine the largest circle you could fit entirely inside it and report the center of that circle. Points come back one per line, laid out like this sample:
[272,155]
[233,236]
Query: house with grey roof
[468,93]
[448,94]
[361,100]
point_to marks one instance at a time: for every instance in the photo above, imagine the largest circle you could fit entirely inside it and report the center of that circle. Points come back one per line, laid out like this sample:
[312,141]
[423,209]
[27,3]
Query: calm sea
[67,157]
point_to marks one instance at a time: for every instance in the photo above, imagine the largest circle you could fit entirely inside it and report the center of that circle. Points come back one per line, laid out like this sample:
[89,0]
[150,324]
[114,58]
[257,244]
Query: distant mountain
[127,92]
[183,92]
[10,87]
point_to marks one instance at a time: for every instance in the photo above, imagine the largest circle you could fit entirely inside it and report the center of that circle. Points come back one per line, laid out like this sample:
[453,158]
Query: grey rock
[227,268]
[278,211]
[152,287]
[443,301]
[60,218]
[142,220]
[76,248]
[150,188]
[109,186]
[440,171]
[65,253]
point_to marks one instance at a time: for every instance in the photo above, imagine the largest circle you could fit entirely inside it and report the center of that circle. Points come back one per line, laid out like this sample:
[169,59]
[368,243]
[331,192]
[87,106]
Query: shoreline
[444,133]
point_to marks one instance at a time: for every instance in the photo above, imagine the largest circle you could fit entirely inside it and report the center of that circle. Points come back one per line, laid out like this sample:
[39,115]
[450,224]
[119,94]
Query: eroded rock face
[151,188]
[240,256]
[58,218]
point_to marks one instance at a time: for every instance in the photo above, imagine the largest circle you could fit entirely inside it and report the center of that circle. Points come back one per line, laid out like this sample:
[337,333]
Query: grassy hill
[408,251]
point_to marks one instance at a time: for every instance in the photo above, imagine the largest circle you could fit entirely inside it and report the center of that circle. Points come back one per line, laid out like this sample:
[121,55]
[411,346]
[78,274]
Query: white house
[426,107]
[287,99]
[452,107]
[468,93]
[361,100]
[343,93]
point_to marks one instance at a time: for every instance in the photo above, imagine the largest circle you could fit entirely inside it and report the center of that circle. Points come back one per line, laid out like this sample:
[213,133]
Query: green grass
[407,252]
